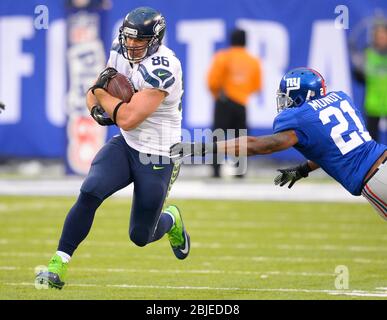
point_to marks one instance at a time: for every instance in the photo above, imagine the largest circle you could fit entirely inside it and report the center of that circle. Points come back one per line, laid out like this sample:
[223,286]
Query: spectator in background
[370,68]
[233,76]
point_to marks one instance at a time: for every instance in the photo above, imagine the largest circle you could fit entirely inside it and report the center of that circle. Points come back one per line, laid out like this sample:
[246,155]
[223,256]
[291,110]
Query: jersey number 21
[356,138]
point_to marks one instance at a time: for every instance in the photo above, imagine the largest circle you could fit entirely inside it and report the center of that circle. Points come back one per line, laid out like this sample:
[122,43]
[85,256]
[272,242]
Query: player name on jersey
[326,101]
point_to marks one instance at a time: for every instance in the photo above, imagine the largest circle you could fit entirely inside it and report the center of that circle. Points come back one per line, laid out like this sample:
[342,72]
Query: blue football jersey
[331,133]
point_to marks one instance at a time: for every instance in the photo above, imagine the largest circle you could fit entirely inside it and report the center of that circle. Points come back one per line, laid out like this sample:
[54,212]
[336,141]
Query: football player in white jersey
[150,123]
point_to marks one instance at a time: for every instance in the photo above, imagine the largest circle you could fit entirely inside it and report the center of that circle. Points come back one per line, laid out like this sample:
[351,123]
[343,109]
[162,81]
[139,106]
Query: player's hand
[98,114]
[182,149]
[2,107]
[103,79]
[187,149]
[292,174]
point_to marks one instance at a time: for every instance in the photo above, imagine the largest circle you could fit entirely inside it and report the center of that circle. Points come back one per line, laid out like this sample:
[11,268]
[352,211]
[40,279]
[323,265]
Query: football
[121,87]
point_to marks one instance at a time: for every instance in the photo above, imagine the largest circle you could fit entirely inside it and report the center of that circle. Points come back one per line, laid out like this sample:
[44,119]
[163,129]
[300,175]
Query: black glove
[186,149]
[2,107]
[98,114]
[103,79]
[292,174]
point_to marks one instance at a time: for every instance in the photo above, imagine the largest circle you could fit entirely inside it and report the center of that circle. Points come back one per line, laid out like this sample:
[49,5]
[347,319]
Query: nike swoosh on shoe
[186,248]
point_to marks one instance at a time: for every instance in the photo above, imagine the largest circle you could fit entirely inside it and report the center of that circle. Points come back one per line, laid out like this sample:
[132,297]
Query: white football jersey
[162,71]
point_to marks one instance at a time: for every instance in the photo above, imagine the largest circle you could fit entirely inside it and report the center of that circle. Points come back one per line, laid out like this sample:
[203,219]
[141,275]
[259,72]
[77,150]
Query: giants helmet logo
[292,84]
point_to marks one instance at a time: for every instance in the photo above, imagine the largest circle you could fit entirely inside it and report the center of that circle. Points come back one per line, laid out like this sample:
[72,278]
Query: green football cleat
[178,236]
[55,274]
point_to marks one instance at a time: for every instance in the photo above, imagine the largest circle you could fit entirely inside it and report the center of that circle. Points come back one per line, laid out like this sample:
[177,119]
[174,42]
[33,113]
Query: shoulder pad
[116,46]
[158,70]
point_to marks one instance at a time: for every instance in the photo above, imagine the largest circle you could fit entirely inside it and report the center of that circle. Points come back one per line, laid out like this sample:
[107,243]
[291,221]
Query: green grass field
[240,250]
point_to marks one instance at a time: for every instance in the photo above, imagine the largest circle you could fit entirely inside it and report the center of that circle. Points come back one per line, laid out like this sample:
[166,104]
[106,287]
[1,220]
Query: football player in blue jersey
[326,127]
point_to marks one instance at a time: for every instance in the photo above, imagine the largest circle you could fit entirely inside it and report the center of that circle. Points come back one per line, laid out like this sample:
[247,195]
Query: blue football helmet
[143,23]
[298,86]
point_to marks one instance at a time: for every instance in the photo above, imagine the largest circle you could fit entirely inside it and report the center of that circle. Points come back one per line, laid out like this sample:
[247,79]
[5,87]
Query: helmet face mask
[133,53]
[299,86]
[283,101]
[142,24]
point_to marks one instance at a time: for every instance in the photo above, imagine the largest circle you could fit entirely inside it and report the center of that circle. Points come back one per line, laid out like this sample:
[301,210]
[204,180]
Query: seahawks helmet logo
[158,27]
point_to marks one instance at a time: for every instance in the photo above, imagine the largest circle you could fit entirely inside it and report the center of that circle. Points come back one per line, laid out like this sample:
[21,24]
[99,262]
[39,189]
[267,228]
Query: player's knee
[92,186]
[88,200]
[140,236]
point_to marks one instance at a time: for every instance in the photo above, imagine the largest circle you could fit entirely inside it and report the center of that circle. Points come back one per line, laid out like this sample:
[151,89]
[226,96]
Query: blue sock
[164,225]
[78,222]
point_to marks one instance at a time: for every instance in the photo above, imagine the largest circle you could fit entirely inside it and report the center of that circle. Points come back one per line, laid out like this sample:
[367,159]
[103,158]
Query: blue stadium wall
[284,34]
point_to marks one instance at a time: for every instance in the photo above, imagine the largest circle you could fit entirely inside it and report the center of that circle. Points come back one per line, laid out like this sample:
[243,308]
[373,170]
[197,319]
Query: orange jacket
[235,72]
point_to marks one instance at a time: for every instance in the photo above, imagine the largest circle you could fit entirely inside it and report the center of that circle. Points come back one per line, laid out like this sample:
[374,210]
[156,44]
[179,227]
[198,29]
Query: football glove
[2,107]
[187,149]
[103,79]
[98,114]
[292,174]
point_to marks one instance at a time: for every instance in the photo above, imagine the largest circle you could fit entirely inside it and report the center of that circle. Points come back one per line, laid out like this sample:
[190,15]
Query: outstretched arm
[249,146]
[243,146]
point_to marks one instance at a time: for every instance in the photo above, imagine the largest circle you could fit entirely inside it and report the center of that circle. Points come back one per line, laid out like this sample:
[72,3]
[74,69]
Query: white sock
[64,256]
[171,215]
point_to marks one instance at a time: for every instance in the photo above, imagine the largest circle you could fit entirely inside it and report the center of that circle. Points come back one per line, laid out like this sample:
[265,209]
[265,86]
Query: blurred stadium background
[250,239]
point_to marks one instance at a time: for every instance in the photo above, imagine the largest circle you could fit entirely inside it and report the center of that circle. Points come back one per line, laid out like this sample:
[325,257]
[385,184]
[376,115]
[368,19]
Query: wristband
[304,169]
[116,110]
[92,109]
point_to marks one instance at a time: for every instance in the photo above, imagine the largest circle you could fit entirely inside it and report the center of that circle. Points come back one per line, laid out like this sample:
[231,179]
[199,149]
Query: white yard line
[319,236]
[257,259]
[185,189]
[41,255]
[302,247]
[359,293]
[9,268]
[187,271]
[31,206]
[218,245]
[234,234]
